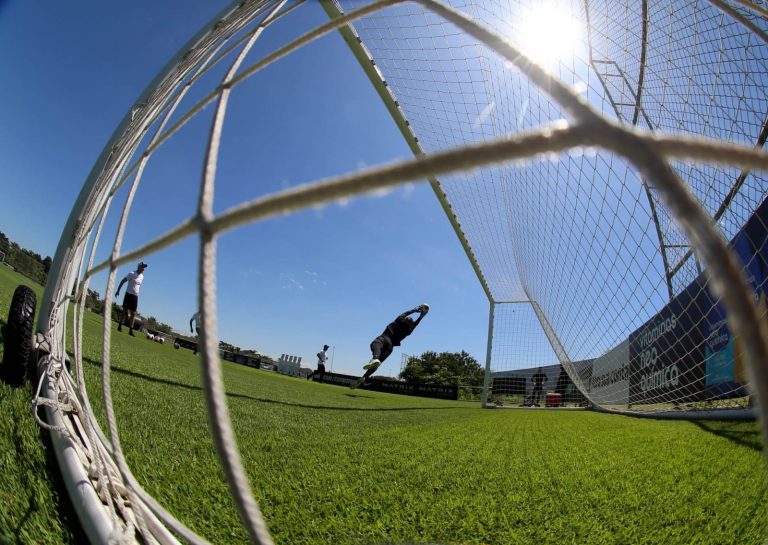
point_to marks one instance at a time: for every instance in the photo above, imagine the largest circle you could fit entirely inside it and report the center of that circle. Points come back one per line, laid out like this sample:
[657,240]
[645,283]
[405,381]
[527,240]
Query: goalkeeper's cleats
[373,364]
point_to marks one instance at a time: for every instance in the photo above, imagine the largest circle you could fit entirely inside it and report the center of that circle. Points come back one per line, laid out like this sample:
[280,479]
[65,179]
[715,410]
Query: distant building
[289,365]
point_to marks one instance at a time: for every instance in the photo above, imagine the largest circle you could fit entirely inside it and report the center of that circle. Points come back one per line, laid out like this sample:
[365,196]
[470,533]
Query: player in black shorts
[131,299]
[322,357]
[395,332]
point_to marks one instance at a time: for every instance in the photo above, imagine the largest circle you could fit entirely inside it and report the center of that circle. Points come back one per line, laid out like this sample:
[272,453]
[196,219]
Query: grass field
[330,465]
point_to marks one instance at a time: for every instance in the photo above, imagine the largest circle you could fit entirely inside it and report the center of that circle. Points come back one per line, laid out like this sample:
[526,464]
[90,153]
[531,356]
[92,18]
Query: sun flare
[548,34]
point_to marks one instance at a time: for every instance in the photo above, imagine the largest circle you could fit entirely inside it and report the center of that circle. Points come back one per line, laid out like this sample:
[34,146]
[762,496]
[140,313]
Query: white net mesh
[592,240]
[583,235]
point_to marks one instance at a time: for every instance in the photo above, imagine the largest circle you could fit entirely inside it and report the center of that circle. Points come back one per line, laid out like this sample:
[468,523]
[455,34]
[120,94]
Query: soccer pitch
[331,465]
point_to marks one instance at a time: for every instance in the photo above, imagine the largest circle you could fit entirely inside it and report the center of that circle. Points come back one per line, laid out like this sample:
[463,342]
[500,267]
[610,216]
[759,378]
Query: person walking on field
[131,299]
[393,335]
[197,318]
[322,357]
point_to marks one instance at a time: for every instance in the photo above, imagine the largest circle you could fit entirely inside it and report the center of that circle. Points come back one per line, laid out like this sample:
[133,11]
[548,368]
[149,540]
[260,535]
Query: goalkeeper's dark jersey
[539,379]
[399,329]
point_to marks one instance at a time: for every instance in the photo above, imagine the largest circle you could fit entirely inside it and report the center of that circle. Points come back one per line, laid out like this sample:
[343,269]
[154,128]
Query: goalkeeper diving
[393,335]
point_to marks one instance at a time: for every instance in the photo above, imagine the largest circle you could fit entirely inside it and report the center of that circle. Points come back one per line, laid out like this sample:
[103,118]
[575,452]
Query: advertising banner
[609,384]
[337,379]
[725,363]
[666,354]
[184,343]
[439,391]
[687,352]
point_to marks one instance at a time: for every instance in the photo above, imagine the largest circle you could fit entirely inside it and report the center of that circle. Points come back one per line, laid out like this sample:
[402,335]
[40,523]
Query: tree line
[454,368]
[29,263]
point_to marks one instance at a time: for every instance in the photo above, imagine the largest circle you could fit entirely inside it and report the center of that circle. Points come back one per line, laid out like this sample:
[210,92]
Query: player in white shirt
[322,357]
[197,318]
[131,299]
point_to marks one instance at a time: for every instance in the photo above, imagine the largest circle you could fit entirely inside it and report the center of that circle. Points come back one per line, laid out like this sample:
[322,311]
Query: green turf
[34,507]
[331,465]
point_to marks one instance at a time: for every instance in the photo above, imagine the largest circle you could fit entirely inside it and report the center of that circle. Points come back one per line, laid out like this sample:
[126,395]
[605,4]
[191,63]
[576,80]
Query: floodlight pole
[333,353]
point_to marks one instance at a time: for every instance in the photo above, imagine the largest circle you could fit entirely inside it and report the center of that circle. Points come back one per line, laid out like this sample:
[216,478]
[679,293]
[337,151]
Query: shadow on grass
[359,395]
[733,431]
[262,399]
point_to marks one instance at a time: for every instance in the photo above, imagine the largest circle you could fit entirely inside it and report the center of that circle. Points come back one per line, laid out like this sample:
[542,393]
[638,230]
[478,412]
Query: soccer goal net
[601,164]
[584,262]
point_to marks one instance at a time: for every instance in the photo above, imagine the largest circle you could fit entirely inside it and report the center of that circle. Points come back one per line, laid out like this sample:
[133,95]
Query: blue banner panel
[666,353]
[725,364]
[687,352]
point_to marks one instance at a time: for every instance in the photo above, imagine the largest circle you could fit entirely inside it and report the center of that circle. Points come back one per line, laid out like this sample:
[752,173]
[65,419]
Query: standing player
[395,332]
[322,357]
[131,299]
[538,380]
[197,319]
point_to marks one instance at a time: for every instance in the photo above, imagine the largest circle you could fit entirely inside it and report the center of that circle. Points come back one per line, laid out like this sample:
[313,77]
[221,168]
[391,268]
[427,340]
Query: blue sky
[334,275]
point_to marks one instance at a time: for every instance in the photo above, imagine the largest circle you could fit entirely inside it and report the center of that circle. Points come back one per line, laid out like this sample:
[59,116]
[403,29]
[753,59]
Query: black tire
[18,336]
